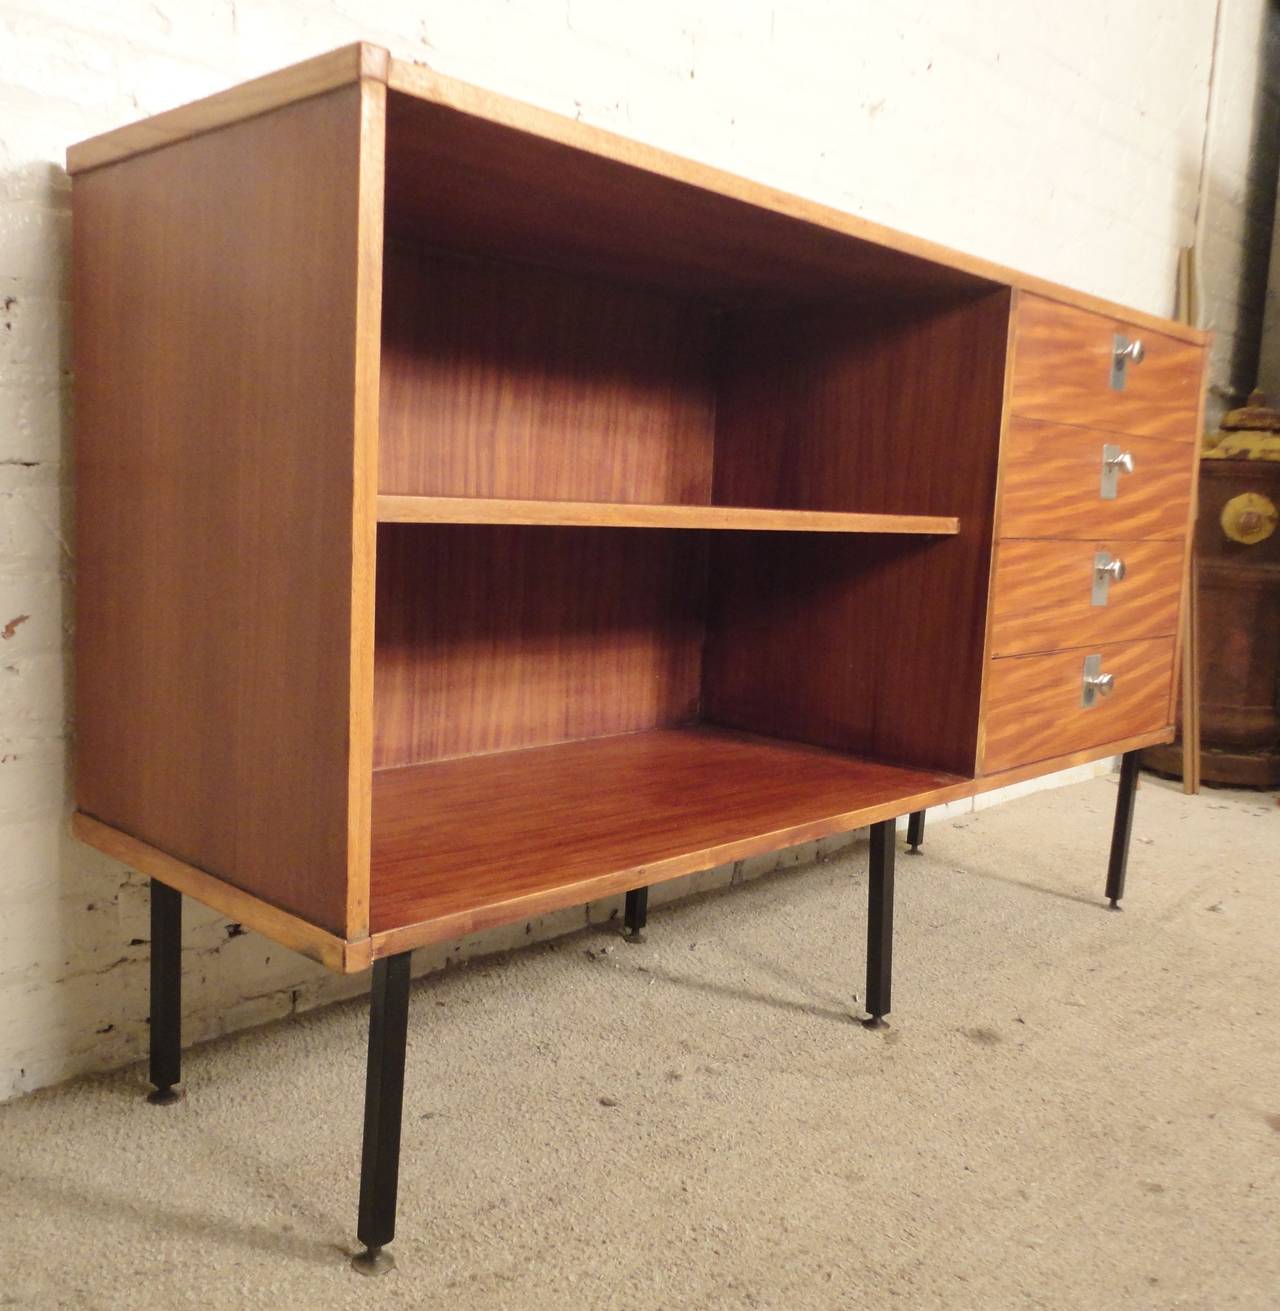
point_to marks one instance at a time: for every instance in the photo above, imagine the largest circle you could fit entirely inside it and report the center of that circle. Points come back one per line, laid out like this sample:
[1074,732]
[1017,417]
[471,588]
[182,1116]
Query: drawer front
[1064,365]
[1051,484]
[1034,704]
[1053,595]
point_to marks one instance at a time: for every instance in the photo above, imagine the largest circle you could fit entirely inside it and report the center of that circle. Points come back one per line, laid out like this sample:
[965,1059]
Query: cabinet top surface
[365,62]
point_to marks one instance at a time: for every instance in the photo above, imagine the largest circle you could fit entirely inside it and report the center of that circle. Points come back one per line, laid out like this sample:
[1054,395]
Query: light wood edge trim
[1193,506]
[1101,429]
[243,907]
[367,367]
[423,83]
[570,514]
[391,942]
[312,77]
[1010,362]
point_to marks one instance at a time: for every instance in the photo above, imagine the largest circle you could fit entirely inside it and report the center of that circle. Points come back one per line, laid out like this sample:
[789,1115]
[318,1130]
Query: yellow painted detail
[1243,445]
[1249,518]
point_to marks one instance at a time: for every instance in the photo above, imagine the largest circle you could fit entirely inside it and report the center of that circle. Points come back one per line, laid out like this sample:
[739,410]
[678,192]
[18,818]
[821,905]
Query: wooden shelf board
[355,955]
[466,844]
[601,514]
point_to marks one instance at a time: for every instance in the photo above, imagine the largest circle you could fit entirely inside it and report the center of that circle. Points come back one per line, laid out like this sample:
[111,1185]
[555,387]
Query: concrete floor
[1071,1109]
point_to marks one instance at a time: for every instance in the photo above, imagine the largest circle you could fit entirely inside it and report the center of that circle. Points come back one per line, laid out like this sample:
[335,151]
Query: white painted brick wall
[1063,139]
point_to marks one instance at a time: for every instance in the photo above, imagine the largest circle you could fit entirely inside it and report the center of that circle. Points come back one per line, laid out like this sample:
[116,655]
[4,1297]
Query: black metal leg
[880,923]
[1122,828]
[383,1102]
[166,994]
[636,915]
[915,831]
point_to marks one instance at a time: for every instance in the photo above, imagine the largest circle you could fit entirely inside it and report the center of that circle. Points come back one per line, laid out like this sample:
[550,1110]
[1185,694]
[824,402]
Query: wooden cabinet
[480,431]
[1054,484]
[1048,595]
[478,513]
[1103,370]
[1041,706]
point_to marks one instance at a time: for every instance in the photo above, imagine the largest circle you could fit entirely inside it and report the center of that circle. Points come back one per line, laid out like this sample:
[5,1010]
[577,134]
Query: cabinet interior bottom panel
[464,844]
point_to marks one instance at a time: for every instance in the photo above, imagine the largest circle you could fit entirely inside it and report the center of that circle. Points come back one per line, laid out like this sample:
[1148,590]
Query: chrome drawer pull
[1107,569]
[1095,683]
[1114,463]
[1125,352]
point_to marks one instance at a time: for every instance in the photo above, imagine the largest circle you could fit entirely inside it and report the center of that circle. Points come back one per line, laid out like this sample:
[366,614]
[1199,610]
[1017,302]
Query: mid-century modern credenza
[480,514]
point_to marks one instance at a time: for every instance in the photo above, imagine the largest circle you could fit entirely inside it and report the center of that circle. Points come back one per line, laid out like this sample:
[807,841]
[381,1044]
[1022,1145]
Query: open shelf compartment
[568,703]
[464,844]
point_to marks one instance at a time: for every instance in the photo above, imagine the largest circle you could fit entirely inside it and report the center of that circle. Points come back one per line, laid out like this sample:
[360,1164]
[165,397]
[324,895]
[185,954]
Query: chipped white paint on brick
[1063,139]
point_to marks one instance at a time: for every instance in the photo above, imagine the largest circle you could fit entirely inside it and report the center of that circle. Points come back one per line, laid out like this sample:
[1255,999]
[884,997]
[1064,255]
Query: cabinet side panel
[871,644]
[215,312]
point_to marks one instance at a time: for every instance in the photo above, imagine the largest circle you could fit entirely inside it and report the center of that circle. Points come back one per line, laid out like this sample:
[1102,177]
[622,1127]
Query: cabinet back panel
[506,380]
[496,638]
[872,645]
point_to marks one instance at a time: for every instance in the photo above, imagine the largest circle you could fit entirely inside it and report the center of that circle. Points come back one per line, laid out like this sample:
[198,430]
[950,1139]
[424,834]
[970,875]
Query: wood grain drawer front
[1051,484]
[1034,705]
[1050,596]
[1063,368]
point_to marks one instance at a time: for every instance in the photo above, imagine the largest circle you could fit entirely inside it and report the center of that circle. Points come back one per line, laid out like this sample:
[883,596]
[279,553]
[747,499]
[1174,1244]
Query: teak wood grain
[291,931]
[1063,373]
[492,638]
[575,328]
[354,956]
[215,359]
[510,381]
[364,496]
[327,72]
[871,251]
[465,844]
[873,646]
[1051,476]
[1034,710]
[584,514]
[573,191]
[1042,595]
[592,202]
[1002,446]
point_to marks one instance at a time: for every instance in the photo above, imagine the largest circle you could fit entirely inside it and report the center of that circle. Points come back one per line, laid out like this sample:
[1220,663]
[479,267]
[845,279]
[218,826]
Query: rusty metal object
[1256,416]
[1249,518]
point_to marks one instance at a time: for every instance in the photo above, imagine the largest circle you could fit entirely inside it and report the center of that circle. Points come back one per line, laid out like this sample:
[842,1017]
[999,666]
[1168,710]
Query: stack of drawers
[1091,523]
